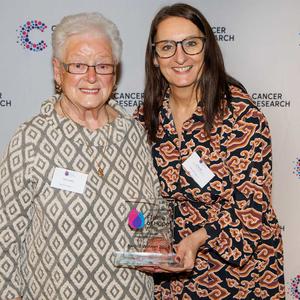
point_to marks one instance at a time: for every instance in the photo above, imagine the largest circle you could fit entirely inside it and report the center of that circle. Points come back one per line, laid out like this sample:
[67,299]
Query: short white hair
[86,23]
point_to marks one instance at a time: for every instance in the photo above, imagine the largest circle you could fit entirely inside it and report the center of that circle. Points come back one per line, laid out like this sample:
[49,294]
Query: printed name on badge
[69,180]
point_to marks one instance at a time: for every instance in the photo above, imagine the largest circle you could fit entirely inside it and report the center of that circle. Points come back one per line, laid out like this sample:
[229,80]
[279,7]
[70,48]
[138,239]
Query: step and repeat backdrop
[260,41]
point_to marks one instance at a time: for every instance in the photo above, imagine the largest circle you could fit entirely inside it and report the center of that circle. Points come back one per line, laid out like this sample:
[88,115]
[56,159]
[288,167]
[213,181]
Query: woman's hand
[155,245]
[186,252]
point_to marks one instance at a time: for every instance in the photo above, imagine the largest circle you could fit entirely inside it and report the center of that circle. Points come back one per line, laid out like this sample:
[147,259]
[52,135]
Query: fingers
[189,263]
[186,257]
[146,269]
[170,269]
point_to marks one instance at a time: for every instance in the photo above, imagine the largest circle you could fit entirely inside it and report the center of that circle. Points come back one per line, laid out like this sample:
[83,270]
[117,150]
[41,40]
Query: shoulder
[35,127]
[44,119]
[242,107]
[132,120]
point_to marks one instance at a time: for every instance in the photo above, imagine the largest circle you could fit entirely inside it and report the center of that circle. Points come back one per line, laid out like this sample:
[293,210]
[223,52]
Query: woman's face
[181,70]
[89,90]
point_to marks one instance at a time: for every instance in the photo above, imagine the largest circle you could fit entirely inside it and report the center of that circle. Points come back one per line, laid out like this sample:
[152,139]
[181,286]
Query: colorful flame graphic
[136,219]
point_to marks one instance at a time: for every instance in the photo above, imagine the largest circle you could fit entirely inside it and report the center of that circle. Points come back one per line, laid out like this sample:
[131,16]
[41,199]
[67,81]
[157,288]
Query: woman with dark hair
[212,150]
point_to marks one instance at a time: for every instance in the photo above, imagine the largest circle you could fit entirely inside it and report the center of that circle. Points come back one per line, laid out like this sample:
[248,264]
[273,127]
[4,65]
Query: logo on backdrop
[294,287]
[129,99]
[26,30]
[270,100]
[222,35]
[297,167]
[4,102]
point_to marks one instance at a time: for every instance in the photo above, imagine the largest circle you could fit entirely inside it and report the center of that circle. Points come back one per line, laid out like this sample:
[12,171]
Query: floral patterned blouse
[243,256]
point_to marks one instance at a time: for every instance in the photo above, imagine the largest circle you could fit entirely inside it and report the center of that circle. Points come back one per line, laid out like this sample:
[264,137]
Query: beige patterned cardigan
[56,244]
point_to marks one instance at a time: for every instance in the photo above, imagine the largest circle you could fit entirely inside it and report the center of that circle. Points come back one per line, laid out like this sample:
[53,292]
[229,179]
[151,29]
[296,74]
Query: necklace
[100,170]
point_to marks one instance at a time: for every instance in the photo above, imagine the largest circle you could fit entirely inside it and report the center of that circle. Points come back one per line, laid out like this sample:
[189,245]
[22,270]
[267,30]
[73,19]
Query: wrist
[200,237]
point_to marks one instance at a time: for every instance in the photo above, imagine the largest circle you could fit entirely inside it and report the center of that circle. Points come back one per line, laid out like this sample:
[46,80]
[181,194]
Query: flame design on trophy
[148,242]
[136,219]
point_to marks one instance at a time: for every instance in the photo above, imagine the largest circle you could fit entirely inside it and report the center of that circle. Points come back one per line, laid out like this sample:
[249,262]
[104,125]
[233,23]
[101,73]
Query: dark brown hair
[213,84]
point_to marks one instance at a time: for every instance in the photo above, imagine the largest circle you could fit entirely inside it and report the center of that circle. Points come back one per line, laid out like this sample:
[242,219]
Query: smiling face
[181,70]
[89,90]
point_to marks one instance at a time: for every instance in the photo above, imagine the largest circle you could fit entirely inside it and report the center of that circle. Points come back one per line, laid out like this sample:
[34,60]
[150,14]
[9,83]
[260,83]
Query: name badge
[69,180]
[198,170]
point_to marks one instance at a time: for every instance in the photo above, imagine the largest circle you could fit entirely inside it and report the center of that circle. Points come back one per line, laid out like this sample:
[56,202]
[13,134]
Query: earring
[58,88]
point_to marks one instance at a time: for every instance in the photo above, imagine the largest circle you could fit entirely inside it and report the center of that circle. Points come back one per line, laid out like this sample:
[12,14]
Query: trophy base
[139,259]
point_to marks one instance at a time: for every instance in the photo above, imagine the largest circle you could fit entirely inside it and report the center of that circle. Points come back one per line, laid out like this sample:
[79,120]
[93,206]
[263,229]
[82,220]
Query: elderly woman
[67,174]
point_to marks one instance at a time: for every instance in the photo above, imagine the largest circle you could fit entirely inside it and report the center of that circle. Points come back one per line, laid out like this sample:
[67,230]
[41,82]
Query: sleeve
[236,231]
[15,201]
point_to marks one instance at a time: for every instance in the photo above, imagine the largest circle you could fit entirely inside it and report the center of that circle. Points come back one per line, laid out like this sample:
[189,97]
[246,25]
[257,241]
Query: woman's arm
[15,201]
[238,227]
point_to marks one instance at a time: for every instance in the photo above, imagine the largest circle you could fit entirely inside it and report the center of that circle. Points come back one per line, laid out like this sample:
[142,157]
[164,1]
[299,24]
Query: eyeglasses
[79,68]
[190,46]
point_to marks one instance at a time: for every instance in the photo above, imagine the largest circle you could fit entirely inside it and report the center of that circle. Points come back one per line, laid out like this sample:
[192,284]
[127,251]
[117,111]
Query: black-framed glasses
[190,46]
[79,68]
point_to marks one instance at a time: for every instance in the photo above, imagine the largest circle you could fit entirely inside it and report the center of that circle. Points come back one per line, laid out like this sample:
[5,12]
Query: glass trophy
[148,224]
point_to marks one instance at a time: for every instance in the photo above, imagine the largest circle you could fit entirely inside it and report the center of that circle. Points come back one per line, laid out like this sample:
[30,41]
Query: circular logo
[294,289]
[297,167]
[24,39]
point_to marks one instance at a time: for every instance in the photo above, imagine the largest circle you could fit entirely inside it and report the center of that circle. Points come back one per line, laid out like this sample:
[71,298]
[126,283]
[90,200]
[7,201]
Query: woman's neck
[89,118]
[185,100]
[183,103]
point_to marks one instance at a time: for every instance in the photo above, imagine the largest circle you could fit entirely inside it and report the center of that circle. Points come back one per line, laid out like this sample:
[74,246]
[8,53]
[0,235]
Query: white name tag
[69,180]
[198,170]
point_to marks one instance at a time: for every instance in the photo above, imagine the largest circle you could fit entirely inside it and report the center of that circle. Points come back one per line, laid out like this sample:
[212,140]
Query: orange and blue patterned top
[243,256]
